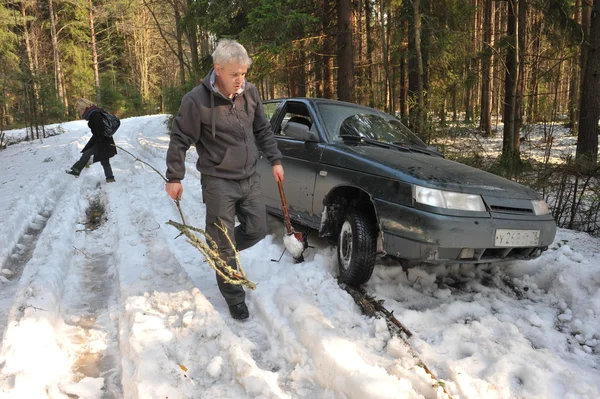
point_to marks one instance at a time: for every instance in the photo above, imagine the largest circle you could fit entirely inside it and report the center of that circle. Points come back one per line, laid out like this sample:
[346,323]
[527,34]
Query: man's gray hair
[231,51]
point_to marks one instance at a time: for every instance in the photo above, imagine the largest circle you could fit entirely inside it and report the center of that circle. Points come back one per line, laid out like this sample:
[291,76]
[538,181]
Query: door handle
[323,173]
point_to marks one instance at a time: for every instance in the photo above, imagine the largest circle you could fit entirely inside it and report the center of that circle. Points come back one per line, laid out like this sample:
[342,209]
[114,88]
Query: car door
[300,162]
[263,166]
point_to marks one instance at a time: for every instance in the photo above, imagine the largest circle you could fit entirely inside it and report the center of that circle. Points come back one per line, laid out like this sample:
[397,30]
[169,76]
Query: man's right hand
[175,190]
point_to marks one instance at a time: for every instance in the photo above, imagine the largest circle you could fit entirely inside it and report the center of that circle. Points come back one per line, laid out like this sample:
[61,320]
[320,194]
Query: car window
[363,122]
[297,118]
[298,113]
[270,108]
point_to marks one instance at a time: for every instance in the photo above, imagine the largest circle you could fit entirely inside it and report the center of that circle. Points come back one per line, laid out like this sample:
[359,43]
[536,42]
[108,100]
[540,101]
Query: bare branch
[211,250]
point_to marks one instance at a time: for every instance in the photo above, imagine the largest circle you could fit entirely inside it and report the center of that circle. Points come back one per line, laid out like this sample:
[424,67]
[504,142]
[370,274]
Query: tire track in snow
[89,303]
[33,358]
[21,253]
[43,190]
[30,212]
[20,234]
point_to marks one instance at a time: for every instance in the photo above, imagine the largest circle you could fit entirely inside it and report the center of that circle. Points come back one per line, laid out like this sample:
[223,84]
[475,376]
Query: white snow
[130,311]
[293,245]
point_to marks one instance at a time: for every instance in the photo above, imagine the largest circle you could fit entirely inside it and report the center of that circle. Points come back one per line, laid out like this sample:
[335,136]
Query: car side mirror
[299,131]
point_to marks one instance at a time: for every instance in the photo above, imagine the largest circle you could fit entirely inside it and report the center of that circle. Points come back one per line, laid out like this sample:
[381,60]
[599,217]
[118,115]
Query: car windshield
[343,120]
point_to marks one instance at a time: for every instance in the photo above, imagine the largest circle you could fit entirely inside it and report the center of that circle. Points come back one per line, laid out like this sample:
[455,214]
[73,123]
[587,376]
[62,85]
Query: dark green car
[359,176]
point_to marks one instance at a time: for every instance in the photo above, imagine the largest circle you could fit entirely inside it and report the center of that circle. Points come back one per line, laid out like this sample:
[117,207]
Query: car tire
[356,248]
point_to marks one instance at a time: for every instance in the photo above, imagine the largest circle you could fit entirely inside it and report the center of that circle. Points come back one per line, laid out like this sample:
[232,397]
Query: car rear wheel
[356,248]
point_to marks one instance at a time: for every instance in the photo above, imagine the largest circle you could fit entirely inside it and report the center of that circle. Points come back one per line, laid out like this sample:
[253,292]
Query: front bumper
[414,234]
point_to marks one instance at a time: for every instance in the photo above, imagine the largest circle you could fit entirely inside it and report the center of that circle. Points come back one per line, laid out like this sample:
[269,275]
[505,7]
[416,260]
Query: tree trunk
[358,50]
[586,16]
[317,61]
[454,108]
[574,80]
[327,9]
[179,39]
[141,52]
[468,92]
[94,53]
[370,46]
[587,139]
[498,65]
[413,75]
[31,73]
[535,70]
[192,35]
[485,120]
[403,88]
[58,83]
[443,113]
[521,46]
[420,95]
[3,108]
[385,55]
[345,53]
[425,35]
[469,68]
[476,66]
[203,46]
[510,87]
[391,63]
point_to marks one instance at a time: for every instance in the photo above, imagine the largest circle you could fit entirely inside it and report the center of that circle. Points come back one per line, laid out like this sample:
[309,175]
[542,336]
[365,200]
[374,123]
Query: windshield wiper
[414,147]
[402,146]
[378,143]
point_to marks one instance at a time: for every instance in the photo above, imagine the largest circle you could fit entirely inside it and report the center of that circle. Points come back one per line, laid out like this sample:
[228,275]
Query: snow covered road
[120,308]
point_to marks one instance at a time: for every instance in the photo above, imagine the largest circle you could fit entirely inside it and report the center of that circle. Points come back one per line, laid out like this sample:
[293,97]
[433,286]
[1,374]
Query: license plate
[517,238]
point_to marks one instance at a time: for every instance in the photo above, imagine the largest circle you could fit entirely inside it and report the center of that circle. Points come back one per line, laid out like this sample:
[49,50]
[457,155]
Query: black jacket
[105,146]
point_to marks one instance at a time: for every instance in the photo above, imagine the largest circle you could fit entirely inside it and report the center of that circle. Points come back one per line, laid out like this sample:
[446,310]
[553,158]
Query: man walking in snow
[224,118]
[101,147]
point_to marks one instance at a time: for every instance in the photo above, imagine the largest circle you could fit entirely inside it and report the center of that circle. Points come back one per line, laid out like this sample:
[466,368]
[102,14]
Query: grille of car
[507,253]
[494,254]
[508,209]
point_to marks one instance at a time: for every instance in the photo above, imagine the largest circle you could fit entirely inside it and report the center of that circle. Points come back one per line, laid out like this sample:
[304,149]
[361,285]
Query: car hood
[425,170]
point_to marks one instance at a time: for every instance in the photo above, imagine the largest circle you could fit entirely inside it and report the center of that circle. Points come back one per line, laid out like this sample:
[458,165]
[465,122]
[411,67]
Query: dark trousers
[225,199]
[85,158]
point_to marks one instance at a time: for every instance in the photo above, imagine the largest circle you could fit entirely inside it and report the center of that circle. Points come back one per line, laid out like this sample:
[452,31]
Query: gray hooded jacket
[227,133]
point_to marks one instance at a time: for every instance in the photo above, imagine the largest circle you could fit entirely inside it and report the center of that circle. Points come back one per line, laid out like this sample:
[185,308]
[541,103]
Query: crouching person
[224,118]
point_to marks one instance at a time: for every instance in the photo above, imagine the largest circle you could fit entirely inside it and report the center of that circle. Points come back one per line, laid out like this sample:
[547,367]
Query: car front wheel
[356,248]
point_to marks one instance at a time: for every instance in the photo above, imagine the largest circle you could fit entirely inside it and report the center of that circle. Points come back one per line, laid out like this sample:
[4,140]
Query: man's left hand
[278,172]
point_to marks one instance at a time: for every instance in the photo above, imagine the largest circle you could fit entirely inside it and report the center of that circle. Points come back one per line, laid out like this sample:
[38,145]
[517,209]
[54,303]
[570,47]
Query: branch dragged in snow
[210,250]
[374,308]
[211,253]
[370,306]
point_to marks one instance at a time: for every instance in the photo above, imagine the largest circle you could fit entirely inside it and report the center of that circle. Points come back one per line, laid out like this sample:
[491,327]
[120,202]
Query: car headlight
[540,207]
[448,199]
